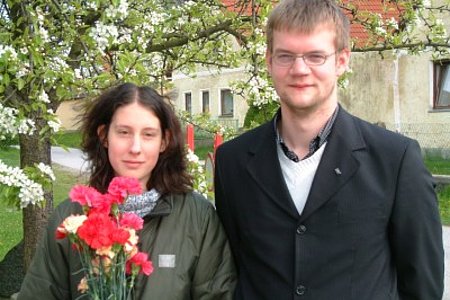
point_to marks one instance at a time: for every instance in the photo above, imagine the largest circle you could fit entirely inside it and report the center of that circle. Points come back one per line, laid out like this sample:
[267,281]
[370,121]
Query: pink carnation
[120,187]
[101,204]
[84,195]
[131,220]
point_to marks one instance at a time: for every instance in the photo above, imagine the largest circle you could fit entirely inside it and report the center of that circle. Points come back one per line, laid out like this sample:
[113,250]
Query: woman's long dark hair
[170,173]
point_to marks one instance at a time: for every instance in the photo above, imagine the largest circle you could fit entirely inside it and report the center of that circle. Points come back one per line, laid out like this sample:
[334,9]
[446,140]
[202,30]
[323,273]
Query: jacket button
[301,229]
[300,290]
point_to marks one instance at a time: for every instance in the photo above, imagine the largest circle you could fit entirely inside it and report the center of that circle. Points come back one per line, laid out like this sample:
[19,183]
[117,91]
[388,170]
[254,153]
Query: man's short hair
[304,16]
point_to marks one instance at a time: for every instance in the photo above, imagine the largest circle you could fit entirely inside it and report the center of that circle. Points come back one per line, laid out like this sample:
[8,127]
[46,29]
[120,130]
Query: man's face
[301,86]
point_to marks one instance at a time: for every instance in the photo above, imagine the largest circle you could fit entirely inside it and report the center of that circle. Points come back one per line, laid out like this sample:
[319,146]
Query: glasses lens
[314,59]
[284,59]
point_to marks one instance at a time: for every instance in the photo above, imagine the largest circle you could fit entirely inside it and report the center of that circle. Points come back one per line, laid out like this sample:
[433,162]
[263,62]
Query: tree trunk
[35,149]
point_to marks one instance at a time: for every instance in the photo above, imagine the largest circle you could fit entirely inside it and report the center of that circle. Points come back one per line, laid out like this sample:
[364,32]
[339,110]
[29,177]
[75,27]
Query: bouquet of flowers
[106,240]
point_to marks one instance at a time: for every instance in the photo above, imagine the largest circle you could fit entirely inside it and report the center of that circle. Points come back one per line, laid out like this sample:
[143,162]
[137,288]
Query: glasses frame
[302,56]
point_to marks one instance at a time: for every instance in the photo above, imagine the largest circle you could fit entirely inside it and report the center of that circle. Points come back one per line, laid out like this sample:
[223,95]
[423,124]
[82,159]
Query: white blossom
[10,124]
[30,192]
[392,23]
[8,49]
[26,126]
[197,171]
[43,97]
[105,35]
[77,74]
[120,12]
[55,125]
[46,170]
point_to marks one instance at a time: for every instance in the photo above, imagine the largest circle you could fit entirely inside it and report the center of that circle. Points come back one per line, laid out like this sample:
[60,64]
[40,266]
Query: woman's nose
[136,145]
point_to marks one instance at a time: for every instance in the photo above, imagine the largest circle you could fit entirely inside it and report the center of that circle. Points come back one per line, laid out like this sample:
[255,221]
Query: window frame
[222,103]
[188,104]
[441,72]
[202,103]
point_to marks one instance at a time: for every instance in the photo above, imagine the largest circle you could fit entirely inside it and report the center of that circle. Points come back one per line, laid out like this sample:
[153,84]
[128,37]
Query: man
[317,203]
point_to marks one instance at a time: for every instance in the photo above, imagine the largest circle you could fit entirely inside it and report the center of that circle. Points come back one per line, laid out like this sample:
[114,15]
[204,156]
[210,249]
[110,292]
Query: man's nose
[299,65]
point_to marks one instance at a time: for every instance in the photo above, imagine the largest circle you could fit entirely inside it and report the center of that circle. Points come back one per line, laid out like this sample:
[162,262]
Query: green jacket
[183,228]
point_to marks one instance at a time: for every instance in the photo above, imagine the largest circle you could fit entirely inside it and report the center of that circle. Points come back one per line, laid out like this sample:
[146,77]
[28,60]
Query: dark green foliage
[259,115]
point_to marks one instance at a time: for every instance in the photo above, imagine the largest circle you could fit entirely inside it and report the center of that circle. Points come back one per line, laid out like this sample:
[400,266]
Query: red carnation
[139,262]
[97,230]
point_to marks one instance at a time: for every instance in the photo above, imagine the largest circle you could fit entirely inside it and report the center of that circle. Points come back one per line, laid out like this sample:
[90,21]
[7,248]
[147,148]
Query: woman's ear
[102,135]
[165,141]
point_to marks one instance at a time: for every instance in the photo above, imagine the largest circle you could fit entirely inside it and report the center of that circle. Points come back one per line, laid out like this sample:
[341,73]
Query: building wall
[68,113]
[212,82]
[398,92]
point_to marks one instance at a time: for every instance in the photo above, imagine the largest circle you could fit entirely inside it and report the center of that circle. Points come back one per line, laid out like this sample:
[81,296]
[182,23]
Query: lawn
[438,165]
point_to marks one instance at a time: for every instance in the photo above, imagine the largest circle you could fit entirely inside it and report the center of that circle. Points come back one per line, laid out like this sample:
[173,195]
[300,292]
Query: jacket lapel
[338,163]
[265,170]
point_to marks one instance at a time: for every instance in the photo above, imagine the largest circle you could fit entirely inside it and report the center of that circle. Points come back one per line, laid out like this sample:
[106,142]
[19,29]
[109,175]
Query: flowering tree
[53,51]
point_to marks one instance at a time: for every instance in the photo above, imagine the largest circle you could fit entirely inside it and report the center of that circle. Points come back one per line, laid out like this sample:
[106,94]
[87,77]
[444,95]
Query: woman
[130,131]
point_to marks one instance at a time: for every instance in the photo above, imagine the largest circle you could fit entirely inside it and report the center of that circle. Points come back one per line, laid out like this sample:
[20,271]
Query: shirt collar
[314,145]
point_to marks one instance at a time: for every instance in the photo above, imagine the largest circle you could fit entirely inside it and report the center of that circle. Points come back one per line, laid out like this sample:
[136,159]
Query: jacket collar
[163,208]
[337,165]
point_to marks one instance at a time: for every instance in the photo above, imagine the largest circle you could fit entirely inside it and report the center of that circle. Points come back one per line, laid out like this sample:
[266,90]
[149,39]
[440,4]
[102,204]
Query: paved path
[74,159]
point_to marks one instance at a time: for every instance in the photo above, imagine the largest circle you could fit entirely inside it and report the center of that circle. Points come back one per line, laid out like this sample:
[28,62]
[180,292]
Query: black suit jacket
[370,228]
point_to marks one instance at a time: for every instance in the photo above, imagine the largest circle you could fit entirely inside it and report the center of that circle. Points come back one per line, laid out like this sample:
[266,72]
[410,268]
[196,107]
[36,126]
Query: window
[226,102]
[188,102]
[205,101]
[441,84]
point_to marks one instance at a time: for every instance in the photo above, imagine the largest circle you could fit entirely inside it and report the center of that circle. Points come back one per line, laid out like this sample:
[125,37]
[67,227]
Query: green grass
[70,139]
[438,165]
[203,151]
[444,204]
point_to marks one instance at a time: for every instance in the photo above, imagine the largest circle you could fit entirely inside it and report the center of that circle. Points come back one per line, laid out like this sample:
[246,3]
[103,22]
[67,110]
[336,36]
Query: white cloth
[299,175]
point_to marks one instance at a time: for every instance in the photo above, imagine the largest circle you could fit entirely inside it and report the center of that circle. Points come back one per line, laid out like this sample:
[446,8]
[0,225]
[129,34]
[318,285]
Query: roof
[386,9]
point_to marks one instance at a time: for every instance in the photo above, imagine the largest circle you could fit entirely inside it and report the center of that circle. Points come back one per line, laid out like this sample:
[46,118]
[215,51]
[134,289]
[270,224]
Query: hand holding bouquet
[106,240]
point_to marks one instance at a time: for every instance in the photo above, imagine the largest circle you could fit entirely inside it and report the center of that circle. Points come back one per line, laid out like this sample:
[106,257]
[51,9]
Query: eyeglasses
[286,60]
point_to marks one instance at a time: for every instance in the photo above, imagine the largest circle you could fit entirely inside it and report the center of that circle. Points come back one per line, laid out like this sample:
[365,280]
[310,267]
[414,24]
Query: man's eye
[285,58]
[314,57]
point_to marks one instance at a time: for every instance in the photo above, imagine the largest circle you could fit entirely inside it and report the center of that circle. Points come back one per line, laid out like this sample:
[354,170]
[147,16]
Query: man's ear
[343,61]
[102,135]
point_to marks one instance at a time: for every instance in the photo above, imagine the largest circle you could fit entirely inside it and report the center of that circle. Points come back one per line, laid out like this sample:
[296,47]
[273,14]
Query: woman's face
[134,142]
